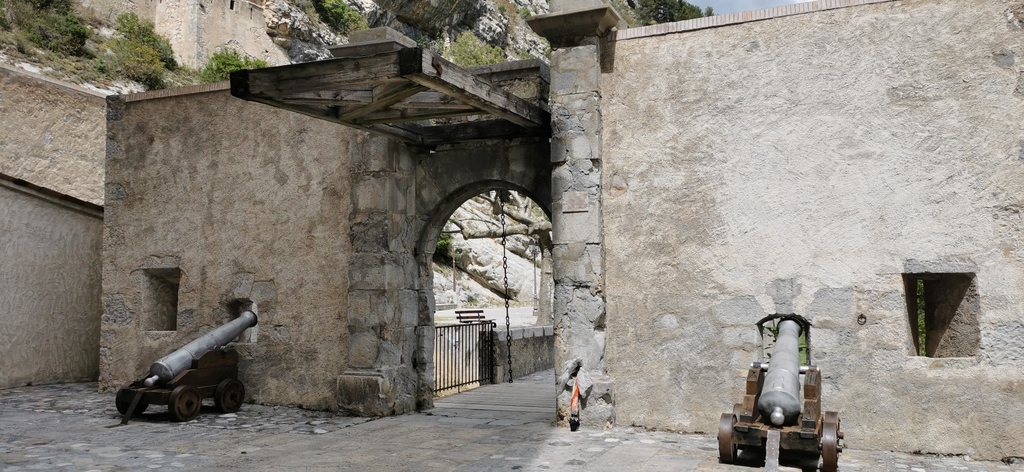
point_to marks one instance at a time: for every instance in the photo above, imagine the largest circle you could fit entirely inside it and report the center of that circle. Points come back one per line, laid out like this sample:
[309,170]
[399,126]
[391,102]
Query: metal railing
[463,355]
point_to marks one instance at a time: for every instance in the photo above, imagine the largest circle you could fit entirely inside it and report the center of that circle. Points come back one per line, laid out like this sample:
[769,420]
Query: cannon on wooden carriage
[203,368]
[773,415]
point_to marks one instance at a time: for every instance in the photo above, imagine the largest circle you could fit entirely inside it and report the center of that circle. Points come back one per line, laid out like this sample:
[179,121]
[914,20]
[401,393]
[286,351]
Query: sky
[732,6]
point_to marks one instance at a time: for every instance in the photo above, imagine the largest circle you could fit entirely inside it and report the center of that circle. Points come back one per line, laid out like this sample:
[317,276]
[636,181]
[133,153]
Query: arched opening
[462,270]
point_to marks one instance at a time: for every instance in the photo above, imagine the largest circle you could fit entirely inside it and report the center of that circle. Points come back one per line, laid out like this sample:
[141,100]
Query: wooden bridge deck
[534,393]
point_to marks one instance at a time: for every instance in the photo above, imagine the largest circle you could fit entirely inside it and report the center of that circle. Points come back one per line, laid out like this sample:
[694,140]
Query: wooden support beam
[387,98]
[330,74]
[478,130]
[402,116]
[438,74]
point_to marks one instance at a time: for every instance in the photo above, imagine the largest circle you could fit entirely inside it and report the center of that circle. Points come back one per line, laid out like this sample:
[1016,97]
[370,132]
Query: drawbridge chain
[504,267]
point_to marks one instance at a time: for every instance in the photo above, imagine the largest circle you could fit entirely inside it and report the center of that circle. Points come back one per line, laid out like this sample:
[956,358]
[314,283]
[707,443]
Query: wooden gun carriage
[182,379]
[772,415]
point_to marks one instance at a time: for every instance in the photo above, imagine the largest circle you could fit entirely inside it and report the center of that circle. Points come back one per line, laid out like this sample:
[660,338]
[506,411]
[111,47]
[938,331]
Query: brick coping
[176,91]
[739,17]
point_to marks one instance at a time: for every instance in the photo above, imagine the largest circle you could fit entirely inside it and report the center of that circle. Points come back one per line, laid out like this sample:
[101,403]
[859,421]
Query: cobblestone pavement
[71,427]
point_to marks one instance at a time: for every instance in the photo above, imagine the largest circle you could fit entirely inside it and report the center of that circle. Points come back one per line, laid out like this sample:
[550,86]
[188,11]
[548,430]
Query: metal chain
[504,267]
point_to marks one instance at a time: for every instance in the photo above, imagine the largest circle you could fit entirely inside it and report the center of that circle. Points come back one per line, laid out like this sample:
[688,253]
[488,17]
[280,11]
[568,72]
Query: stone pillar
[579,308]
[383,311]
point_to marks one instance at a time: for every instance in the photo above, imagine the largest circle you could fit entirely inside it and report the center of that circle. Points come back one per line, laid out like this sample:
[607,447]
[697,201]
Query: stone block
[363,349]
[577,263]
[264,293]
[835,304]
[1001,343]
[371,234]
[365,394]
[368,271]
[578,227]
[369,192]
[369,309]
[241,286]
[744,311]
[408,307]
[575,70]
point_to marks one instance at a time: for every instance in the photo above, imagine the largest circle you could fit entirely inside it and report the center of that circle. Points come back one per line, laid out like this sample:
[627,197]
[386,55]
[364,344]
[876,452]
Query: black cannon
[182,379]
[773,416]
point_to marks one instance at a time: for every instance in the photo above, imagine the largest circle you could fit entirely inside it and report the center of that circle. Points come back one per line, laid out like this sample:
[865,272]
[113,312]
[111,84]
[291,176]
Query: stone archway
[446,179]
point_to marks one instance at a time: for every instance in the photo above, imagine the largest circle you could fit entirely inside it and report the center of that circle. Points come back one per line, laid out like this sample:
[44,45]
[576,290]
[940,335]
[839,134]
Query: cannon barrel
[780,395]
[165,369]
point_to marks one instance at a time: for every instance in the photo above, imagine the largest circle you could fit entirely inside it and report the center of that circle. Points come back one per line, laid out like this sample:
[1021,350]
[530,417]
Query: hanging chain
[504,267]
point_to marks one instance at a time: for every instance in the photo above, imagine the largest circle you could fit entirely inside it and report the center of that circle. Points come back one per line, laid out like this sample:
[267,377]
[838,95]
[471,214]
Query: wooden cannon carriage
[182,379]
[772,416]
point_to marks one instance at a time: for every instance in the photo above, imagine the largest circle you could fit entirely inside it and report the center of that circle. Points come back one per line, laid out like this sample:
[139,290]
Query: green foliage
[664,11]
[444,246]
[338,15]
[137,62]
[60,32]
[467,51]
[224,62]
[142,32]
[139,53]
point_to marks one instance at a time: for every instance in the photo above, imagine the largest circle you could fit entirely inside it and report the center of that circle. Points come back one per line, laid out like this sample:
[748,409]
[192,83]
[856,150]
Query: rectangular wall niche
[943,313]
[160,299]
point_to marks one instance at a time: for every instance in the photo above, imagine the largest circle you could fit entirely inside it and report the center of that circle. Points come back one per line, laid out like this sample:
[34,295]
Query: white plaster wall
[804,163]
[51,134]
[49,288]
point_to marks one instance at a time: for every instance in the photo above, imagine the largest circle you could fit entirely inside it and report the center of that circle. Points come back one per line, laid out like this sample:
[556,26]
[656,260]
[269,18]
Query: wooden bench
[469,316]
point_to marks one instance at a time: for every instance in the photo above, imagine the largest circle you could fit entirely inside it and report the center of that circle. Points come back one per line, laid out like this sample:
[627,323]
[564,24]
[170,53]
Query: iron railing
[463,355]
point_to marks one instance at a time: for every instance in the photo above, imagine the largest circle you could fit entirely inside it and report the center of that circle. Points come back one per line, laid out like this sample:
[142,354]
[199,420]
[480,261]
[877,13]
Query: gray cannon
[182,379]
[774,416]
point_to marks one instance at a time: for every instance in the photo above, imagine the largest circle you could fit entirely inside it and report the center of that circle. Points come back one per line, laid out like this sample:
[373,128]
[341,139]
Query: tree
[664,11]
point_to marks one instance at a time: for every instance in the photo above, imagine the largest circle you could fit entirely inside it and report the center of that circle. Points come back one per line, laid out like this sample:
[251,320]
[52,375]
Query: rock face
[434,15]
[290,28]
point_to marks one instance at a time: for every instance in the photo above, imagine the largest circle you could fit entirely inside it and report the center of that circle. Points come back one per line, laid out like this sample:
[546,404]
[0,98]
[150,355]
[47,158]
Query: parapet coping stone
[527,332]
[177,91]
[737,18]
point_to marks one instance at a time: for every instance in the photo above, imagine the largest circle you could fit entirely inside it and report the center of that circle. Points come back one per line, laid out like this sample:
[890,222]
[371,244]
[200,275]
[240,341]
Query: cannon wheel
[184,403]
[123,400]
[830,447]
[229,395]
[726,448]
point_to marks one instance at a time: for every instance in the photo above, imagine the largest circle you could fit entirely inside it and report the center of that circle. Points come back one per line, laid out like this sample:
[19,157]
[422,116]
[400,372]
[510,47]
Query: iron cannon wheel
[184,403]
[229,395]
[830,447]
[726,448]
[123,400]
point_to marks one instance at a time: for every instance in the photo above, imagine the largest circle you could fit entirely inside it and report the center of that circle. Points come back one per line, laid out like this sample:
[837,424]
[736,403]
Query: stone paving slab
[71,427]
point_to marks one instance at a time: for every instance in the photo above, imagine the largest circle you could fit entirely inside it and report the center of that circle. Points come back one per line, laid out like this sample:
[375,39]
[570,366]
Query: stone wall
[228,203]
[49,286]
[805,164]
[533,350]
[196,30]
[51,134]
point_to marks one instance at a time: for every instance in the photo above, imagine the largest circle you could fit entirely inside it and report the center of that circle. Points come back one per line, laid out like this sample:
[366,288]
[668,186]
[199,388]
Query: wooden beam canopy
[402,92]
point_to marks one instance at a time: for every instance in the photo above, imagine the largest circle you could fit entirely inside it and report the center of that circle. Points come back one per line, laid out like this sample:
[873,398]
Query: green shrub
[338,15]
[223,63]
[138,62]
[59,6]
[142,32]
[62,33]
[467,51]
